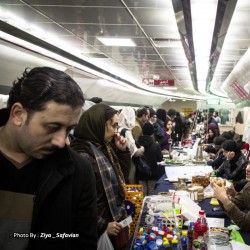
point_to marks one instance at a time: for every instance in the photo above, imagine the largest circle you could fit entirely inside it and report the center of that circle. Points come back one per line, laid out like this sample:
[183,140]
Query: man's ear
[18,114]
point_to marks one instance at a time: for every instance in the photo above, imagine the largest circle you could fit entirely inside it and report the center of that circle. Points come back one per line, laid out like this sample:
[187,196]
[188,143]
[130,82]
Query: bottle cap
[184,233]
[213,174]
[174,241]
[201,212]
[159,242]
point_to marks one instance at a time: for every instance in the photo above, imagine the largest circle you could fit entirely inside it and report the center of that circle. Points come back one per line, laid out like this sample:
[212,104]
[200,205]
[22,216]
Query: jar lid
[218,238]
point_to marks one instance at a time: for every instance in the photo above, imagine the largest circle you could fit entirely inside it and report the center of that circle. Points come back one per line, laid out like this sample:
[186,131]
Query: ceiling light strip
[203,20]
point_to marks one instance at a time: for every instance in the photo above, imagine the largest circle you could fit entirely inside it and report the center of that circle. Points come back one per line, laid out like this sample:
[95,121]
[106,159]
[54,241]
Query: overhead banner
[158,83]
[240,91]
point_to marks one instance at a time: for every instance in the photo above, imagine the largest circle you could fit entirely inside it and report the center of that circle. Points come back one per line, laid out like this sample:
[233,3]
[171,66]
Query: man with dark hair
[171,114]
[142,115]
[47,191]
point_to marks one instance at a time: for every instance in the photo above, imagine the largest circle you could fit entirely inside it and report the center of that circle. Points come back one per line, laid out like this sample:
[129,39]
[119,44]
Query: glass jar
[219,241]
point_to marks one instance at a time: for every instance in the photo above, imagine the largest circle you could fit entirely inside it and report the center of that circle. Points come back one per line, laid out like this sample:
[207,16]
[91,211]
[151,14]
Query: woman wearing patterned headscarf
[98,140]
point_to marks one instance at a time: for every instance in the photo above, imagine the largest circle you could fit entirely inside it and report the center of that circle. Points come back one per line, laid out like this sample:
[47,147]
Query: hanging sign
[157,82]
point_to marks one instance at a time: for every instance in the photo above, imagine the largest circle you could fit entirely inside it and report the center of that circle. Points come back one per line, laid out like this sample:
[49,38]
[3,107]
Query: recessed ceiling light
[109,41]
[166,43]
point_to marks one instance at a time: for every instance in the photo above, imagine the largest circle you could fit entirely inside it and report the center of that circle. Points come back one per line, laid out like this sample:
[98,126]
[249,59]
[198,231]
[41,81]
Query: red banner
[240,91]
[158,83]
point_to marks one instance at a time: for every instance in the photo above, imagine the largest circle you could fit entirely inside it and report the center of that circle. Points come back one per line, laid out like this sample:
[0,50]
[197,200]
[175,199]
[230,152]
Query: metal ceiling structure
[164,32]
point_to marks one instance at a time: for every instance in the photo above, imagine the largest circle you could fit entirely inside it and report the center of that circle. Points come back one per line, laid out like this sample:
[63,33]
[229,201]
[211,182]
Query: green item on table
[213,174]
[236,236]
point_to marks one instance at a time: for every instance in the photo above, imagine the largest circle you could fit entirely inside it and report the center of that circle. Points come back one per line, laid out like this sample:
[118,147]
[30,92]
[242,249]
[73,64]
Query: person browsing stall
[234,166]
[236,206]
[47,191]
[153,155]
[167,132]
[98,140]
[126,123]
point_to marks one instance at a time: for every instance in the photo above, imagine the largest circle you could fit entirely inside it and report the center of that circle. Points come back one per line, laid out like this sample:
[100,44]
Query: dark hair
[227,135]
[151,112]
[43,84]
[212,131]
[147,129]
[166,122]
[171,112]
[218,140]
[161,114]
[142,111]
[109,112]
[230,145]
[96,99]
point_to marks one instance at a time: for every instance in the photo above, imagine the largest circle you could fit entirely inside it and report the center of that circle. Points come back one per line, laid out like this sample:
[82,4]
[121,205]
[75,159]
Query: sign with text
[157,82]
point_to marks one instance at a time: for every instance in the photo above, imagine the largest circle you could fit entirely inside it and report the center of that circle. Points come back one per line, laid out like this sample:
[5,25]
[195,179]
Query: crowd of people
[56,182]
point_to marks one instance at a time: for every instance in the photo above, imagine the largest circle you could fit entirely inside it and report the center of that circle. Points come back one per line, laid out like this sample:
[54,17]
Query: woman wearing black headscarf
[95,132]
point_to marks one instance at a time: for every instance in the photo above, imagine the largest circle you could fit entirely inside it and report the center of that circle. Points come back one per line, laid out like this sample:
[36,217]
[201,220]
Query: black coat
[65,203]
[152,154]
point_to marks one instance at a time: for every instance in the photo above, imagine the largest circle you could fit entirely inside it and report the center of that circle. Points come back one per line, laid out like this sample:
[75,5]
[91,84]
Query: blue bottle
[184,240]
[159,223]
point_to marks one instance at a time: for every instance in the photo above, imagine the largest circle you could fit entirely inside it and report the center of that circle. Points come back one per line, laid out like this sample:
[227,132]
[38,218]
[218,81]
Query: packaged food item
[200,180]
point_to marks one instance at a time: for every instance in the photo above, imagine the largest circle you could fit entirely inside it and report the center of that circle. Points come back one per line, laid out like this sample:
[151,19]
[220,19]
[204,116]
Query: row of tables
[163,185]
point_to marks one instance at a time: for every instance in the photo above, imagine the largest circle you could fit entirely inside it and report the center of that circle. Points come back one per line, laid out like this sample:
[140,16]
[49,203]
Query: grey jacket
[240,202]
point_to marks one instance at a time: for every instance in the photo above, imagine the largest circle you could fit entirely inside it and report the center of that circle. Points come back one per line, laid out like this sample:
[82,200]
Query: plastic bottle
[190,141]
[201,226]
[177,138]
[159,223]
[184,240]
[190,235]
[175,245]
[203,244]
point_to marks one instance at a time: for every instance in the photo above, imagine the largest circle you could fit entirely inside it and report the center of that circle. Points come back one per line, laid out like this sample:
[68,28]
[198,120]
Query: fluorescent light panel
[110,41]
[203,20]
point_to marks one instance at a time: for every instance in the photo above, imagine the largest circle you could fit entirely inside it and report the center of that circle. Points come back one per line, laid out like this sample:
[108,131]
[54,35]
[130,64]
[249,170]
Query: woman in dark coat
[153,155]
[94,134]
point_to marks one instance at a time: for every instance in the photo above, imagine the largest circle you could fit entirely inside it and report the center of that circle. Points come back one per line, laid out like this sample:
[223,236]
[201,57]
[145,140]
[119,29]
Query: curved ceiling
[165,34]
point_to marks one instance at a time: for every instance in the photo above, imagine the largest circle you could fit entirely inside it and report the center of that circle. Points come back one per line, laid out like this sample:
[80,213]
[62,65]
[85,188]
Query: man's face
[145,117]
[46,131]
[153,118]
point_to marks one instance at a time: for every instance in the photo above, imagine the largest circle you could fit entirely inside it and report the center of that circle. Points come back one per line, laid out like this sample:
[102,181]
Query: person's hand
[120,142]
[114,228]
[142,149]
[211,156]
[220,192]
[231,191]
[230,155]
